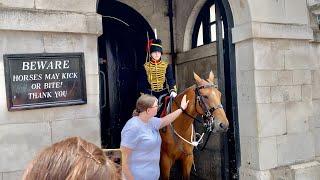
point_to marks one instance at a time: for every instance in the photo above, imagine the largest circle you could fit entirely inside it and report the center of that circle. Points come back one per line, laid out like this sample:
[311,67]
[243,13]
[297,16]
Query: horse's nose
[223,126]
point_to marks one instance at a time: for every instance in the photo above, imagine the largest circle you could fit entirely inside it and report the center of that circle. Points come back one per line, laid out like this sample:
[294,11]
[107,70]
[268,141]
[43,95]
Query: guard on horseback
[156,76]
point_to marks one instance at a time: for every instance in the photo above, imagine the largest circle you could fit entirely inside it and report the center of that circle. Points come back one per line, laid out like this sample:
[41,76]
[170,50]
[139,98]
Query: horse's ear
[211,77]
[197,78]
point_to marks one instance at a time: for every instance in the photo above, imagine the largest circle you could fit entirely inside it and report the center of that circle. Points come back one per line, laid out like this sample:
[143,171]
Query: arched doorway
[211,28]
[121,51]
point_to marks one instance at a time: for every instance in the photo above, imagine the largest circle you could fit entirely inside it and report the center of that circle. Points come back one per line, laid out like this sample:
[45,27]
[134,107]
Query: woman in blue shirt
[141,141]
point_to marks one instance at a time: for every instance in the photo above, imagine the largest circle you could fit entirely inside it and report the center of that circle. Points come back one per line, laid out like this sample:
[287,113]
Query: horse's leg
[186,166]
[165,166]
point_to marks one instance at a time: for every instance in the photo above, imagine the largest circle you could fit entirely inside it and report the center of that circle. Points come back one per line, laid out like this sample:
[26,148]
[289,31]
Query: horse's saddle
[165,103]
[164,107]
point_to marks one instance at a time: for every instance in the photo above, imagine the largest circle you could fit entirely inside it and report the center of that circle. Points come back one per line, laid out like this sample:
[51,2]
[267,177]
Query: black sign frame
[44,56]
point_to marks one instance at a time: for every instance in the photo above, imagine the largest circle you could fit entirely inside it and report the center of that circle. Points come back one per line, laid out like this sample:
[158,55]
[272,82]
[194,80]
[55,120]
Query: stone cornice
[314,6]
[271,31]
[50,21]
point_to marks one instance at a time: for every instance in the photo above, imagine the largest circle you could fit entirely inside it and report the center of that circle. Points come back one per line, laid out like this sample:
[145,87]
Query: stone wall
[277,98]
[38,26]
[279,95]
[155,13]
[186,16]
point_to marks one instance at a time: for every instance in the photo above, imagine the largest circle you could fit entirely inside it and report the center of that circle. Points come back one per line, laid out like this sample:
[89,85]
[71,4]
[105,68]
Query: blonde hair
[71,159]
[144,102]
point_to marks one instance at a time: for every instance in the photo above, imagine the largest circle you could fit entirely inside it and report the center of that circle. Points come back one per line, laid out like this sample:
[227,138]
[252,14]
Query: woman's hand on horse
[184,102]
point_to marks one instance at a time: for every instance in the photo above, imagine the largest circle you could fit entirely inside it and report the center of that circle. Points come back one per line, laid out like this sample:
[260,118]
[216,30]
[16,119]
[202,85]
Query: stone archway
[240,13]
[122,46]
[237,14]
[190,23]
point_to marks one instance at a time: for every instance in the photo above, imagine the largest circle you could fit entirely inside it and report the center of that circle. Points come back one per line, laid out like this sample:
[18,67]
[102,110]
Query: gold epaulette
[156,73]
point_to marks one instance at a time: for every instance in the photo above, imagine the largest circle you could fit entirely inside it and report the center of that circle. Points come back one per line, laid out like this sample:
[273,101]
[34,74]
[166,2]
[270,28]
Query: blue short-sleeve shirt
[145,141]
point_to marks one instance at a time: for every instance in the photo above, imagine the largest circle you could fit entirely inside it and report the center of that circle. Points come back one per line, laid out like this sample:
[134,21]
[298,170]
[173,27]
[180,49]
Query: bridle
[208,112]
[208,119]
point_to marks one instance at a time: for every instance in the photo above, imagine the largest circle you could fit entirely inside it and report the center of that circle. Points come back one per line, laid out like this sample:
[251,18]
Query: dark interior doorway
[121,52]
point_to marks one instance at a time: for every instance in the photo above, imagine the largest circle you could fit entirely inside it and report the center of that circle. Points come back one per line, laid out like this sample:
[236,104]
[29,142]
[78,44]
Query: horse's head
[209,100]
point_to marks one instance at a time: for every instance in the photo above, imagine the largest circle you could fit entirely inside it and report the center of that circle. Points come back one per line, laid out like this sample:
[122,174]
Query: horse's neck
[184,122]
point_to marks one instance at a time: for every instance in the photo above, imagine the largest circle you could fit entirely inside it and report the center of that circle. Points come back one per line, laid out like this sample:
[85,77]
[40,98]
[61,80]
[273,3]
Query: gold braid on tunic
[156,73]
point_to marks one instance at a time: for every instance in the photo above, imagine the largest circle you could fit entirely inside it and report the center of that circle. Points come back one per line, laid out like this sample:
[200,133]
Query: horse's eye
[206,97]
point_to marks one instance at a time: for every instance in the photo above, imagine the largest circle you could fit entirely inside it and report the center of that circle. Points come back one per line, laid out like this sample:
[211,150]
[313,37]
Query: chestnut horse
[204,99]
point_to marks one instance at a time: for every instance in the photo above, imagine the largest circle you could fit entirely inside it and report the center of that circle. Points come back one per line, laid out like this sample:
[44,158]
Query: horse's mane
[194,86]
[187,89]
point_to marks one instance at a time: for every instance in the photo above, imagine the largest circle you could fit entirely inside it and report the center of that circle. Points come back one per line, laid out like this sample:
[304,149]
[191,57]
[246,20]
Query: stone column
[314,9]
[275,67]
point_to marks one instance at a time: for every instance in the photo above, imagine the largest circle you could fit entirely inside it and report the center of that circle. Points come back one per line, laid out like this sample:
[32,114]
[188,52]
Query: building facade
[266,63]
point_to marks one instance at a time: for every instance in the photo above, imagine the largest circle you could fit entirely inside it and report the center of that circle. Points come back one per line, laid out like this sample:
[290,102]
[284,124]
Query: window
[200,36]
[205,29]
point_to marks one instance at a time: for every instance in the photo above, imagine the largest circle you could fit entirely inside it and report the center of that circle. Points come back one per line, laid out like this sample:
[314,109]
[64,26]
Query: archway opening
[121,50]
[213,26]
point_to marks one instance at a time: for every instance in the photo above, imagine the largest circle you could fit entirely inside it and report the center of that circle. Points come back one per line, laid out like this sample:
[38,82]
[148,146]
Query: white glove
[173,94]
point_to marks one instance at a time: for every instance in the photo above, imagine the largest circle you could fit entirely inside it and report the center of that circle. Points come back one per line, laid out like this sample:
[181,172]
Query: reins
[207,114]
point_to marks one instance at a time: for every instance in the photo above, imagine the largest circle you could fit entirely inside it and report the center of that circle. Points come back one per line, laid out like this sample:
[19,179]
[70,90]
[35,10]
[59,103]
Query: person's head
[146,103]
[71,159]
[156,49]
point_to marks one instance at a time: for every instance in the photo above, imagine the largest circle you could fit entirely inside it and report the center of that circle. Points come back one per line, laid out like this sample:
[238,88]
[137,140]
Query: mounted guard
[156,76]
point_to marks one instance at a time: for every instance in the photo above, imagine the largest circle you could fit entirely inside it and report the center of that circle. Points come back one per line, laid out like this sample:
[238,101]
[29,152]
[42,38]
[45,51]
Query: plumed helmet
[155,45]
